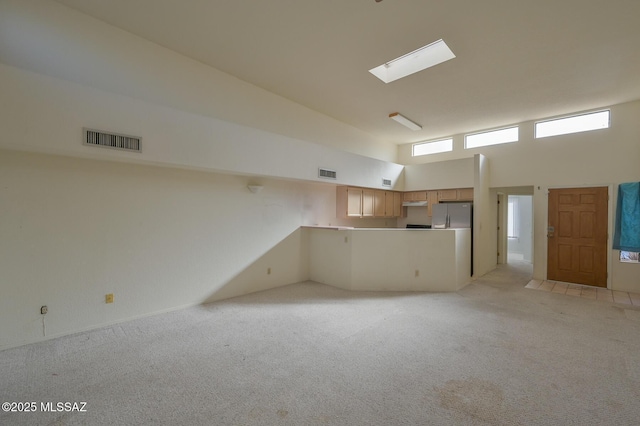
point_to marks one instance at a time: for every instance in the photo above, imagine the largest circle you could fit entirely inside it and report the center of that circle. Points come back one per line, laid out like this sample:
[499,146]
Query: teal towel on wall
[627,235]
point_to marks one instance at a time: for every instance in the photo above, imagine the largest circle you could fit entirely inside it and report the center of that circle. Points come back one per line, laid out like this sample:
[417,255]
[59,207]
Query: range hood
[414,204]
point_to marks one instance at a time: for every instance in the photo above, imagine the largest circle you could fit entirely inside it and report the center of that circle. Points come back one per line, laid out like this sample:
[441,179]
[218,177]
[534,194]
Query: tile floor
[595,293]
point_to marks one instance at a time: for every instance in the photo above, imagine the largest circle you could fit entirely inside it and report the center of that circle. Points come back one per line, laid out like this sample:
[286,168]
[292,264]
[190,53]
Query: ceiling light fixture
[418,60]
[405,121]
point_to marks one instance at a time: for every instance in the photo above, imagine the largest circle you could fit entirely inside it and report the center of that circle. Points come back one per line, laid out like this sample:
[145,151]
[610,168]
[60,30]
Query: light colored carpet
[307,354]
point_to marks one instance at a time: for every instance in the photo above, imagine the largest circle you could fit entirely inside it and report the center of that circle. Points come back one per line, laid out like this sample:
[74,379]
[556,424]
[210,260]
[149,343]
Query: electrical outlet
[44,310]
[108,298]
[268,271]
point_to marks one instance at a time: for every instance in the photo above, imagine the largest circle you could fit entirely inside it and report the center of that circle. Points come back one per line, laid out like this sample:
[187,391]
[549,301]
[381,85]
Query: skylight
[418,60]
[435,147]
[573,124]
[493,137]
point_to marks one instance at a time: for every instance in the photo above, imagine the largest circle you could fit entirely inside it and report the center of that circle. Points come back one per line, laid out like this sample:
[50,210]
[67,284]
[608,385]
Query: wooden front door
[577,235]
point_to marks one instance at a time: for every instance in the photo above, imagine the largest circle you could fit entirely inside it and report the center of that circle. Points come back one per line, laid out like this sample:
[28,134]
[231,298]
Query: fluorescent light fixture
[418,60]
[492,137]
[434,147]
[573,124]
[404,121]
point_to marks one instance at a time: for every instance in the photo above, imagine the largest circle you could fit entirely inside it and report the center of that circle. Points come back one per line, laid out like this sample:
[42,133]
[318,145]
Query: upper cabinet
[354,202]
[415,196]
[445,195]
[432,198]
[379,203]
[397,204]
[353,205]
[366,202]
[461,194]
[465,194]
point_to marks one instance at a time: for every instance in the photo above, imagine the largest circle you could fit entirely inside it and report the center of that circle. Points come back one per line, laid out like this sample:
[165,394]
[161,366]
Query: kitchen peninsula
[388,259]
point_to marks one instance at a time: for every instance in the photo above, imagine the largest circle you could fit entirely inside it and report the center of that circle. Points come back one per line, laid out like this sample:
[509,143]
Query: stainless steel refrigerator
[452,215]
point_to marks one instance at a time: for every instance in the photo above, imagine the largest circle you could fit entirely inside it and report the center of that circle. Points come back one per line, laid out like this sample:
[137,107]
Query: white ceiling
[516,60]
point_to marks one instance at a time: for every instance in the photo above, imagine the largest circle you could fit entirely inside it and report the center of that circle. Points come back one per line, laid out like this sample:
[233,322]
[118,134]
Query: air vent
[111,140]
[386,182]
[327,174]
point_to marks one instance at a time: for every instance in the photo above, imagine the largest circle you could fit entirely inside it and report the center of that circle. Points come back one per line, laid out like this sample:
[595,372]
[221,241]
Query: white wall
[603,157]
[47,114]
[485,219]
[386,260]
[330,257]
[52,39]
[73,230]
[440,175]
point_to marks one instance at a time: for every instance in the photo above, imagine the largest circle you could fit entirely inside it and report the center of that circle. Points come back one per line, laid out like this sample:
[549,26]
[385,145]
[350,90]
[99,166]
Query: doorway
[519,228]
[520,247]
[577,235]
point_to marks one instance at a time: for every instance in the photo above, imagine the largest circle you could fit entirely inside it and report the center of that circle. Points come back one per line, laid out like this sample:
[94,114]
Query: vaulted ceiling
[515,60]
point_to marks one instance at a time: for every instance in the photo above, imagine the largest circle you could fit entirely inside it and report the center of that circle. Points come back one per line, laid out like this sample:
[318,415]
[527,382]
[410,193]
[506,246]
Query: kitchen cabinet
[348,202]
[367,203]
[465,194]
[379,203]
[387,203]
[398,211]
[461,194]
[432,198]
[415,196]
[445,195]
[355,202]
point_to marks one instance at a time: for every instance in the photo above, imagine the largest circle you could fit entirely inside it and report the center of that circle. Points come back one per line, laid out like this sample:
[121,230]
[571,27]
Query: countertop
[350,228]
